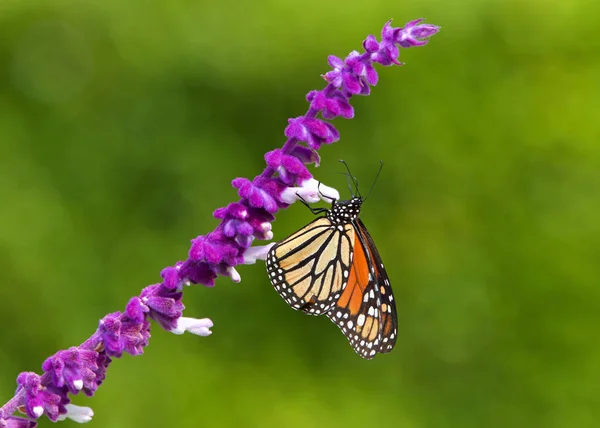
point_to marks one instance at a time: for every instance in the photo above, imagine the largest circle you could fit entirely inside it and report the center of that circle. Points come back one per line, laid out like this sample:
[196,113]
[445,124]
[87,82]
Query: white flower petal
[310,191]
[78,414]
[196,326]
[259,252]
[234,274]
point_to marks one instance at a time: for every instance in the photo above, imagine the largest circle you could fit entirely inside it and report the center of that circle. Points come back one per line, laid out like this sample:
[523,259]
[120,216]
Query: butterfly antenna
[375,181]
[323,195]
[349,183]
[354,180]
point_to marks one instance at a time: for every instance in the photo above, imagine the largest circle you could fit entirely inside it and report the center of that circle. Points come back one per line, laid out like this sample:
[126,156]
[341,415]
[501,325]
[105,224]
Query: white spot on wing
[361,320]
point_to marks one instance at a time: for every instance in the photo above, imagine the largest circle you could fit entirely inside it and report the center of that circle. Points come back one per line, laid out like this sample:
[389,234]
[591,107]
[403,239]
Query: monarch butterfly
[332,267]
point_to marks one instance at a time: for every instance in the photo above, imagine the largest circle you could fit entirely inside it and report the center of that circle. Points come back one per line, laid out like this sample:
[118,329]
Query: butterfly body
[332,267]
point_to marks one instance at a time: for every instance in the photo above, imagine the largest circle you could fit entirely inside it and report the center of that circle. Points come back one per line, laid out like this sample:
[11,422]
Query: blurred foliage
[123,123]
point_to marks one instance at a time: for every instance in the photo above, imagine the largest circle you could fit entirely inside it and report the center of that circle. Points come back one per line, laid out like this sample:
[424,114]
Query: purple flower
[213,250]
[362,67]
[388,52]
[164,304]
[240,230]
[291,170]
[198,272]
[39,399]
[314,132]
[415,34]
[305,154]
[127,332]
[171,278]
[262,192]
[74,369]
[15,422]
[331,104]
[339,75]
[234,210]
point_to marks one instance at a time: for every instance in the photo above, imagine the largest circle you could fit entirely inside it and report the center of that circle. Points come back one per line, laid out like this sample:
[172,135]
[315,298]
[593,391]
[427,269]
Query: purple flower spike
[74,369]
[39,399]
[15,422]
[313,132]
[285,180]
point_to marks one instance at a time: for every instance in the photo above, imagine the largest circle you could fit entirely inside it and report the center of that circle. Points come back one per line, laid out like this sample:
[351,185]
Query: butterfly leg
[315,211]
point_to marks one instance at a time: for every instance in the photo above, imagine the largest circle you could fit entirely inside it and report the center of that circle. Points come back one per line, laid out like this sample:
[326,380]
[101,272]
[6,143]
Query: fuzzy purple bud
[313,132]
[240,230]
[362,68]
[127,332]
[413,34]
[234,210]
[343,77]
[388,52]
[261,220]
[291,170]
[39,399]
[165,305]
[306,154]
[74,369]
[198,272]
[371,44]
[171,279]
[209,249]
[257,197]
[331,104]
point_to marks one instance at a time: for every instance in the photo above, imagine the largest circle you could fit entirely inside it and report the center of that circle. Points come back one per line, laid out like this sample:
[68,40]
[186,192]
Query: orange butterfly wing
[365,311]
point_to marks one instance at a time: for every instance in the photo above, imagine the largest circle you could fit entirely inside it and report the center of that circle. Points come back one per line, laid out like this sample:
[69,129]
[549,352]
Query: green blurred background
[122,124]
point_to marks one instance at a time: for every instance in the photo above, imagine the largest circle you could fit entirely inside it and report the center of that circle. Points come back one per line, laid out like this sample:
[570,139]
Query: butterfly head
[343,212]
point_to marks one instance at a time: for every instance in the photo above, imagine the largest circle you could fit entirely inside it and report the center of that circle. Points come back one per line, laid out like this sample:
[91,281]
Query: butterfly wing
[365,311]
[310,268]
[387,308]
